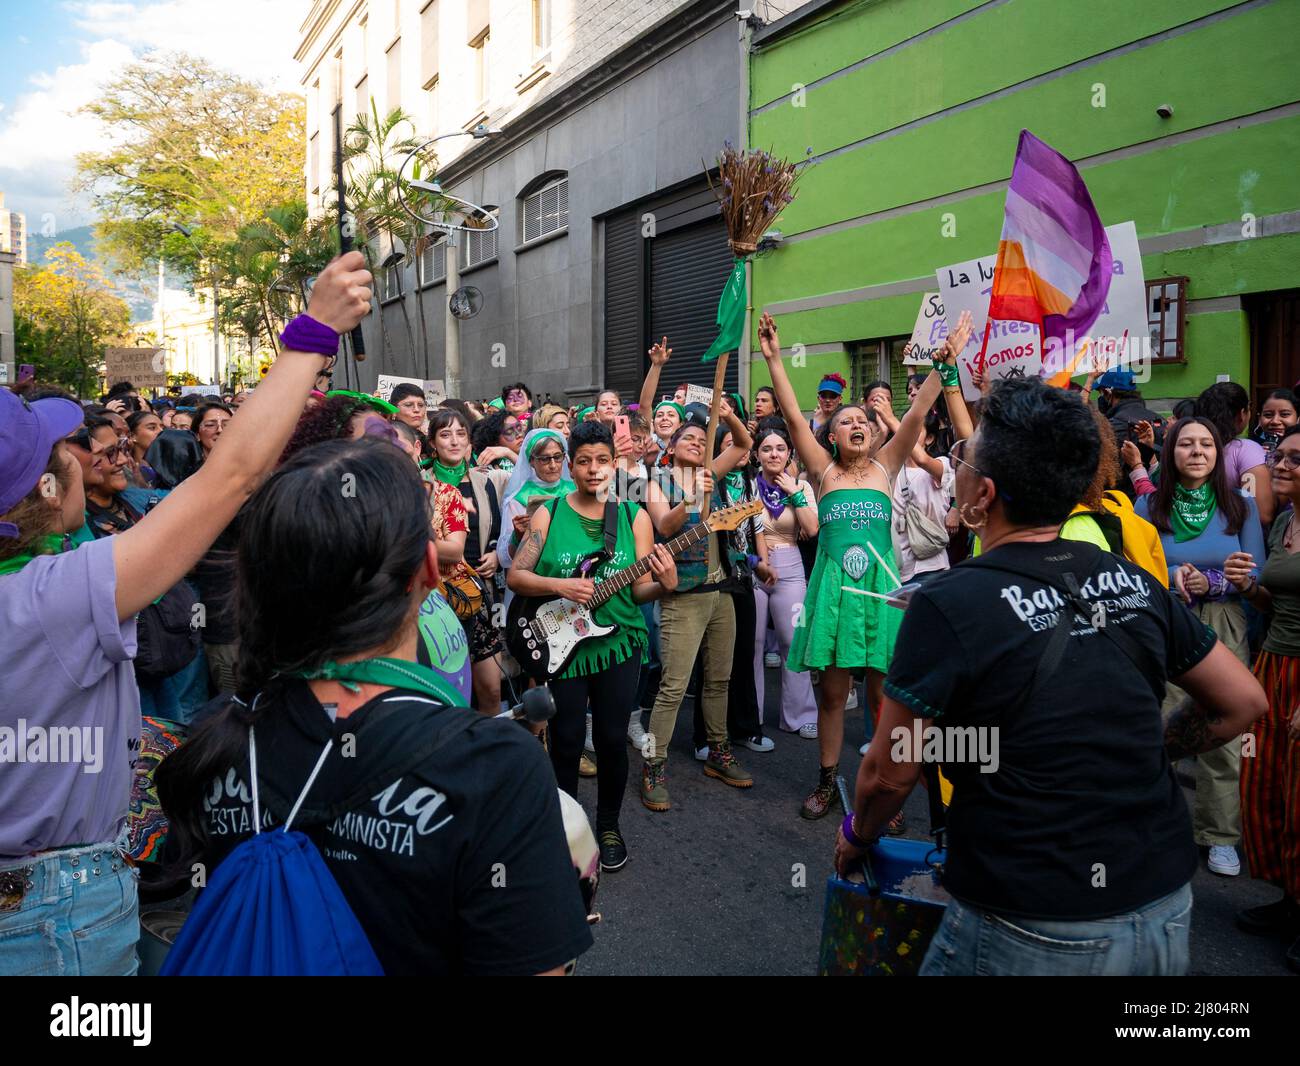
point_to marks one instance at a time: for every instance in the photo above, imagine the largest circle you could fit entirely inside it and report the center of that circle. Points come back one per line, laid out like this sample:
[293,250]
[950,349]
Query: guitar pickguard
[564,625]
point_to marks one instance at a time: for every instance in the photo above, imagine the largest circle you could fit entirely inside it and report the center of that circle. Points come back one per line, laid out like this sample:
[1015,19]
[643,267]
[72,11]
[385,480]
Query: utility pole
[452,372]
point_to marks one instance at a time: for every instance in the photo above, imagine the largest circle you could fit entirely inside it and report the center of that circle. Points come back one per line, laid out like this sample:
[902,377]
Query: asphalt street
[733,881]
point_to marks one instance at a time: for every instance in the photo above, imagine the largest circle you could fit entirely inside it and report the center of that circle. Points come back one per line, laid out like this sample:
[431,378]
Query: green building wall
[912,109]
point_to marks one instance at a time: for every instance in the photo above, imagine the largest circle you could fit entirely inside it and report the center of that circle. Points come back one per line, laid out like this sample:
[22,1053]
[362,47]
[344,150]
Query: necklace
[1288,538]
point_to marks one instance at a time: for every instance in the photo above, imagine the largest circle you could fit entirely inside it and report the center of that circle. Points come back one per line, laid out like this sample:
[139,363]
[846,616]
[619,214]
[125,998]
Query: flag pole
[715,414]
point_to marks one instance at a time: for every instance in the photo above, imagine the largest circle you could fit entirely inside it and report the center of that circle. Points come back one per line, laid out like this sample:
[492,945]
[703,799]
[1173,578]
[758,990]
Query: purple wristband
[846,827]
[305,334]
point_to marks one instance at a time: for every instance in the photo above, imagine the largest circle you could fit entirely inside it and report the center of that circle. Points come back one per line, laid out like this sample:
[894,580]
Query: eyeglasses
[557,457]
[1286,460]
[957,453]
[412,404]
[82,439]
[215,425]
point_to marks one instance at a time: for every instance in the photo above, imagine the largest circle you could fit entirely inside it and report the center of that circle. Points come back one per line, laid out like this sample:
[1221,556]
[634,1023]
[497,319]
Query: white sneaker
[759,743]
[636,731]
[852,702]
[772,661]
[809,731]
[702,754]
[1223,860]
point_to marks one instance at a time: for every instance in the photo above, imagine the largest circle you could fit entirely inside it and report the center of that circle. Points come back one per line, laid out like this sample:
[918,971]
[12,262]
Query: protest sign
[435,391]
[698,394]
[388,382]
[1119,336]
[136,365]
[929,333]
[203,390]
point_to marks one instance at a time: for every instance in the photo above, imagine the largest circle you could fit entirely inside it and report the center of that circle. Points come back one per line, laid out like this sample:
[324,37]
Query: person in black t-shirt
[1070,845]
[453,857]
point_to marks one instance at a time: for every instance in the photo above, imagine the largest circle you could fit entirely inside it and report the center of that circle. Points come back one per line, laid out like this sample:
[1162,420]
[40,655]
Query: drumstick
[880,559]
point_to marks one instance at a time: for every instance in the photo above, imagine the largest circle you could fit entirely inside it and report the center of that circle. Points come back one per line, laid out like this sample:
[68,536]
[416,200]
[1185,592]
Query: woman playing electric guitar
[603,671]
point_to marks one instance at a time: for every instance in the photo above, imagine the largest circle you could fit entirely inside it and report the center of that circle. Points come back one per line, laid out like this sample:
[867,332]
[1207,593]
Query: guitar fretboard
[611,586]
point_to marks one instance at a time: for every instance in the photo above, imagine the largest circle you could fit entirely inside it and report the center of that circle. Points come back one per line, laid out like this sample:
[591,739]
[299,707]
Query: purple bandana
[773,497]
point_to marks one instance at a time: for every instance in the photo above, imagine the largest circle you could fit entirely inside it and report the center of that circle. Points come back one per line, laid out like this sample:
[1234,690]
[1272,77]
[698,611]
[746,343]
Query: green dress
[840,628]
[571,538]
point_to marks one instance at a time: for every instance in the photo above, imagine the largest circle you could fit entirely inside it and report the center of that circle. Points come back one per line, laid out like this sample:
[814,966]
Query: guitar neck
[611,586]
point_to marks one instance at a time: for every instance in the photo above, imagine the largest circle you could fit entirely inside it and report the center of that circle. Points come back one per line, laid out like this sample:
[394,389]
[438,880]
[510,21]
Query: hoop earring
[967,520]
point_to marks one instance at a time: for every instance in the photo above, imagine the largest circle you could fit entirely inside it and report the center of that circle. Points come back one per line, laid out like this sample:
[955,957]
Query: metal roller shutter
[625,345]
[688,269]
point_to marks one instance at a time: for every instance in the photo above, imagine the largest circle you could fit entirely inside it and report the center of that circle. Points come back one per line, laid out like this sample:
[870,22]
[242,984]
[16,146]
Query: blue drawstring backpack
[273,909]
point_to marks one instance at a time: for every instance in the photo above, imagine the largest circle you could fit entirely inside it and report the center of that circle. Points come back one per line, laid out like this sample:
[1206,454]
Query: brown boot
[824,796]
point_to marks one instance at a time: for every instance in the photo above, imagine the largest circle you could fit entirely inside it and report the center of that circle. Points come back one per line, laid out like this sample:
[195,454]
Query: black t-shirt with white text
[457,865]
[1083,817]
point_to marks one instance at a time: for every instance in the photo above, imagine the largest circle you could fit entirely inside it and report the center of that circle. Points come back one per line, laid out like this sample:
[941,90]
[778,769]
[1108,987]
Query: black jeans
[743,719]
[608,695]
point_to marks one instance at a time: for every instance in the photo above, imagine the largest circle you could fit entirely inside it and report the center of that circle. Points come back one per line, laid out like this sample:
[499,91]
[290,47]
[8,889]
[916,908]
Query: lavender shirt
[1241,455]
[68,697]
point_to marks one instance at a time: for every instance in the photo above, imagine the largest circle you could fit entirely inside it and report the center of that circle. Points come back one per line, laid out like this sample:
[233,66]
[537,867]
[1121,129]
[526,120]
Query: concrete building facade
[608,234]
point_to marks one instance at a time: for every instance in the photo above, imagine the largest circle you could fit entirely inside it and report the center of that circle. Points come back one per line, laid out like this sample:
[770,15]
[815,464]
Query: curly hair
[328,420]
[1108,468]
[486,432]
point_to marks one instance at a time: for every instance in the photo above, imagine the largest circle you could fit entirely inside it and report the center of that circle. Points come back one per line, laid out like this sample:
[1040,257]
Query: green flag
[731,314]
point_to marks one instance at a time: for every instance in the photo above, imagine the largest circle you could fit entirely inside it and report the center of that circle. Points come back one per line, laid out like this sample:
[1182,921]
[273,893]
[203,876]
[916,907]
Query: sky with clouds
[59,52]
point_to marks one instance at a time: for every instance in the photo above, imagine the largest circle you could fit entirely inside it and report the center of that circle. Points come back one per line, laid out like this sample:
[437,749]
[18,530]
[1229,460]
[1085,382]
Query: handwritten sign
[1119,336]
[388,382]
[136,365]
[929,333]
[435,391]
[698,394]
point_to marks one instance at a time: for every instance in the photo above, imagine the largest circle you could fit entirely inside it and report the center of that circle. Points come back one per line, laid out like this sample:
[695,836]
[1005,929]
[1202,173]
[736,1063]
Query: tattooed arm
[522,577]
[1223,700]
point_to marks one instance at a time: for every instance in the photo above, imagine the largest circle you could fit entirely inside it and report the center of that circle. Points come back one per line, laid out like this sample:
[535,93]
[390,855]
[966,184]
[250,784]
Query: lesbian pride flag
[1054,262]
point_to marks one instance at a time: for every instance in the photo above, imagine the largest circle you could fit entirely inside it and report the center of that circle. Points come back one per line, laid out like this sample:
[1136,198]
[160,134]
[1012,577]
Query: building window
[879,360]
[363,95]
[431,106]
[394,66]
[541,27]
[390,283]
[545,211]
[433,263]
[481,73]
[1166,315]
[429,58]
[478,246]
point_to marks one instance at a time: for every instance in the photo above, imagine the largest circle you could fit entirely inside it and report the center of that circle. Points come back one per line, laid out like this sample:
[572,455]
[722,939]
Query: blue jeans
[1150,941]
[79,915]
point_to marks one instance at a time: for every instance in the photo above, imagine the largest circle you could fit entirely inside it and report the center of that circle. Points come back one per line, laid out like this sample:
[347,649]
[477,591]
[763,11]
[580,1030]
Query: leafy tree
[190,144]
[69,312]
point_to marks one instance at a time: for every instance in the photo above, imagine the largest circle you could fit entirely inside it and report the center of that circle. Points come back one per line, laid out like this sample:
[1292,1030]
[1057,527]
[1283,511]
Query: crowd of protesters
[1089,577]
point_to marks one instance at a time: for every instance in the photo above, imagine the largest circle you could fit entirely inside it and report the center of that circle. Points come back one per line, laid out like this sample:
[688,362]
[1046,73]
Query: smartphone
[622,432]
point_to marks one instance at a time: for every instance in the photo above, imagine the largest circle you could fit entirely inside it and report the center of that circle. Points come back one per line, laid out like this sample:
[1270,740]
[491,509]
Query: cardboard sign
[929,333]
[6,373]
[136,365]
[698,394]
[388,382]
[203,390]
[1120,336]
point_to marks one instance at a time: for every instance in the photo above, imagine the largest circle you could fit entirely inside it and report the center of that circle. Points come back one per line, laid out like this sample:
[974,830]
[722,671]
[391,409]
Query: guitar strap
[611,526]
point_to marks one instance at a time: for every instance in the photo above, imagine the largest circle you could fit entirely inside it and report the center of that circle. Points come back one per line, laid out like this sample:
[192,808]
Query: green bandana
[735,482]
[543,435]
[585,412]
[450,475]
[48,545]
[1191,511]
[373,402]
[397,673]
[681,411]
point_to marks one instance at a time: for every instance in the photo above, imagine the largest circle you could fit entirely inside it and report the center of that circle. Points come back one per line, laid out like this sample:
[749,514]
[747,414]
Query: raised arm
[741,443]
[895,452]
[814,456]
[659,354]
[158,551]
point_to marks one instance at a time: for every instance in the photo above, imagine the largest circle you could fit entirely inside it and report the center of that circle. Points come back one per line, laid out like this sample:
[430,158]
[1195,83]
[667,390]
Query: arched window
[544,207]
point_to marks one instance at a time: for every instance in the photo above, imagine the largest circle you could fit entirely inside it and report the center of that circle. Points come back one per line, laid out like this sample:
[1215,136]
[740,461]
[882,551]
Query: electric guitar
[544,632]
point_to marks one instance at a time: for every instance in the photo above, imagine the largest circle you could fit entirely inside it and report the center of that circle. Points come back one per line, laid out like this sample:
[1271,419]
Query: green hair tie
[681,411]
[543,435]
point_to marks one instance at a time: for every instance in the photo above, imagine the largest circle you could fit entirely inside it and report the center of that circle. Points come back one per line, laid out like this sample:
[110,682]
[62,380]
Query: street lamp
[185,232]
[452,323]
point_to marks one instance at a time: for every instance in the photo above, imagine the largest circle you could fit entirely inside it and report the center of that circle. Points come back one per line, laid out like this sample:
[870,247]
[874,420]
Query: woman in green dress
[603,673]
[847,626]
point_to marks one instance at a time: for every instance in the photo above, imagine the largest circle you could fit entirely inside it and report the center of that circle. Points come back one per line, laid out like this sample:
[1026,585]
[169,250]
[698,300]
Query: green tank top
[852,523]
[571,538]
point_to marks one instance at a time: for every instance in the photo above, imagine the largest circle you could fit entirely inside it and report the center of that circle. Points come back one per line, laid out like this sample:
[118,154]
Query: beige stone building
[13,232]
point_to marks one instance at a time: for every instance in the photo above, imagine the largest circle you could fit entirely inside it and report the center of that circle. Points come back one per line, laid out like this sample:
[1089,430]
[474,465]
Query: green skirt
[843,629]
